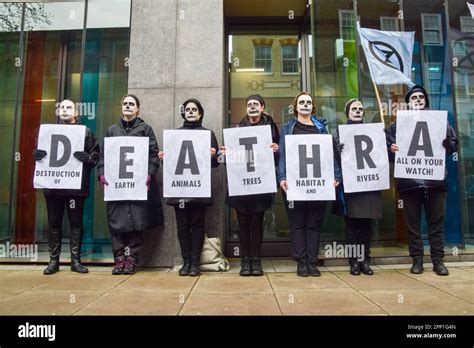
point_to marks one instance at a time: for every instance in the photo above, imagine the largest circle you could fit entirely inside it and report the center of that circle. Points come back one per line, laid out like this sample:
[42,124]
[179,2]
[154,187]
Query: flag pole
[380,102]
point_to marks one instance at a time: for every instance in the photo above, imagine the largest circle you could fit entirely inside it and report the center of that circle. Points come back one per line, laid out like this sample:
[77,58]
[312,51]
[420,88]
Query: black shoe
[313,270]
[75,240]
[184,271]
[194,271]
[355,268]
[439,268]
[53,267]
[257,267]
[246,268]
[365,268]
[77,266]
[118,268]
[417,267]
[302,269]
[130,267]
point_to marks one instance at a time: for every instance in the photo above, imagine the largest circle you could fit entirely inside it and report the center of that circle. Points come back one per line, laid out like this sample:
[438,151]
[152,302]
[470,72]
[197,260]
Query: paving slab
[226,284]
[287,281]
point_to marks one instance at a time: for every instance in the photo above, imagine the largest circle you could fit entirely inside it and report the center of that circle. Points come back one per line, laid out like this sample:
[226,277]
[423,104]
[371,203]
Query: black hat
[257,97]
[417,88]
[348,105]
[195,101]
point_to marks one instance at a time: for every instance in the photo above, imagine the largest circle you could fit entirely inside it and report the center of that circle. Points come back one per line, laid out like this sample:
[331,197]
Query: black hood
[417,88]
[200,108]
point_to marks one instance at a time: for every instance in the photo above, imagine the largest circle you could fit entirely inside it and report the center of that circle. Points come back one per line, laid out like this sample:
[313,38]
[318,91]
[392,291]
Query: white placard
[59,169]
[249,159]
[420,136]
[187,163]
[126,168]
[310,167]
[364,158]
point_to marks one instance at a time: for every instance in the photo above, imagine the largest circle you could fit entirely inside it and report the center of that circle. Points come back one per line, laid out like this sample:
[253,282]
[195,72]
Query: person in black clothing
[191,212]
[128,219]
[57,200]
[428,194]
[251,209]
[358,208]
[305,217]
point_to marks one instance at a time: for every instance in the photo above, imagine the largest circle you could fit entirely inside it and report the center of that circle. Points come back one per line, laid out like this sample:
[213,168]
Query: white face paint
[67,111]
[417,101]
[304,105]
[356,111]
[129,108]
[254,108]
[191,112]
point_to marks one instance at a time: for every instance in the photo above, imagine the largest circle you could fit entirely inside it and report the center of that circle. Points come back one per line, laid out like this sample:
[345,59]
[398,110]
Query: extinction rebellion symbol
[386,54]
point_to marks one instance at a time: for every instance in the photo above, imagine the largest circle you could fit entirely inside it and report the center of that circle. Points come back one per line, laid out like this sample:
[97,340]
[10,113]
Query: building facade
[221,51]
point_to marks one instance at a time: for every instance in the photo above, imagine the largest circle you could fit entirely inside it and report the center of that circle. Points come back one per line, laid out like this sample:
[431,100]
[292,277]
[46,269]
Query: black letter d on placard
[54,161]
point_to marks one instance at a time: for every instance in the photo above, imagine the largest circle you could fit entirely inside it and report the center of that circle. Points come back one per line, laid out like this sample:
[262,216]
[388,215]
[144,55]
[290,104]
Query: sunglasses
[128,103]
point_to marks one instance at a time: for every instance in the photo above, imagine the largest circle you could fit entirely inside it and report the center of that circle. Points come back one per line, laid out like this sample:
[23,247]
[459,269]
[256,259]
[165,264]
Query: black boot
[313,269]
[75,241]
[194,270]
[245,269]
[54,248]
[365,267]
[417,267]
[257,267]
[355,268]
[440,268]
[184,271]
[302,269]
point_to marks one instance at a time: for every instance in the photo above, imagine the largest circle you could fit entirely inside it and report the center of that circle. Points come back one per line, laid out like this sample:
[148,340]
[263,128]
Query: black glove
[447,143]
[38,154]
[340,147]
[82,156]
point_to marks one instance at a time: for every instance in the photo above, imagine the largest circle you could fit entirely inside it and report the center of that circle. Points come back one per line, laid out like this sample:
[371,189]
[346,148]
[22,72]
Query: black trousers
[127,245]
[74,207]
[305,218]
[250,233]
[358,233]
[434,202]
[190,222]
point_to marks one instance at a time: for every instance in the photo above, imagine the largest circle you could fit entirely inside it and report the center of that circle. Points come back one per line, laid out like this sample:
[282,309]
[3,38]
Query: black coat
[214,163]
[358,205]
[252,204]
[128,216]
[410,184]
[91,146]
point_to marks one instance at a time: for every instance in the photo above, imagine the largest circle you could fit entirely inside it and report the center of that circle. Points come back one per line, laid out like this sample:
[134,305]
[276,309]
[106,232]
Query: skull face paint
[191,112]
[417,101]
[304,105]
[254,108]
[129,108]
[356,111]
[67,111]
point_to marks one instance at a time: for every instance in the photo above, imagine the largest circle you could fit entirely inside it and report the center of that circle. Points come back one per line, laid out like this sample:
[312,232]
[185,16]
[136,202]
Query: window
[467,24]
[263,57]
[434,76]
[389,23]
[285,114]
[346,25]
[431,24]
[289,59]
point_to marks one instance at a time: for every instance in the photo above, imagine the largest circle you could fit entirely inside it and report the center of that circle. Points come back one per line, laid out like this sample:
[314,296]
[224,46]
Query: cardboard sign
[364,158]
[187,163]
[126,168]
[59,169]
[420,136]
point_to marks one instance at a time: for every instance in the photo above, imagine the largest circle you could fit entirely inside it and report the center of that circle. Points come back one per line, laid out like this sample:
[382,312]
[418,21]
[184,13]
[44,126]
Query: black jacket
[128,216]
[91,146]
[214,163]
[358,205]
[256,203]
[410,184]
